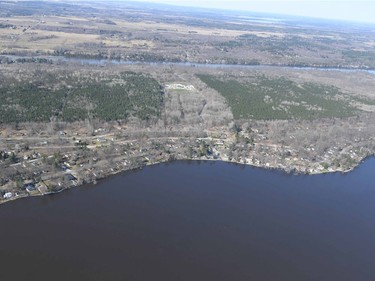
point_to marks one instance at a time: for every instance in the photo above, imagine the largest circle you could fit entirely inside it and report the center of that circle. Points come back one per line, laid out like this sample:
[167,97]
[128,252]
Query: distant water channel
[104,62]
[196,221]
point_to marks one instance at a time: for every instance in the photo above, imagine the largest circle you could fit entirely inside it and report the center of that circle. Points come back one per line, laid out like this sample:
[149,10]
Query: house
[43,189]
[8,195]
[30,187]
[101,139]
[70,177]
[64,167]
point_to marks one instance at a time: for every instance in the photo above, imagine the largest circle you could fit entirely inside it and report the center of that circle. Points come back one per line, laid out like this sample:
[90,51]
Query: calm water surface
[196,221]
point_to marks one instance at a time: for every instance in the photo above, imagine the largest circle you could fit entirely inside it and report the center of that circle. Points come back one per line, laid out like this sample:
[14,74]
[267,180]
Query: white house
[8,195]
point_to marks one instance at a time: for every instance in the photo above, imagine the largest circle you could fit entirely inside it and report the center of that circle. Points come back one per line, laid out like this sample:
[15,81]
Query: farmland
[139,32]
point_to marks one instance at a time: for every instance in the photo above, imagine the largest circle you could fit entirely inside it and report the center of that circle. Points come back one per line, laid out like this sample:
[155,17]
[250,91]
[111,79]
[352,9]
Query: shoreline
[116,172]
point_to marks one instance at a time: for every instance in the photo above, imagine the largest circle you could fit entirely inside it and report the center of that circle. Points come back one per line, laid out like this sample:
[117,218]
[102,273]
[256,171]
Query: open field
[139,32]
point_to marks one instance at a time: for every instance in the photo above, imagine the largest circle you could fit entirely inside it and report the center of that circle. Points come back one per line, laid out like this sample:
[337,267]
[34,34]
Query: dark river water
[196,221]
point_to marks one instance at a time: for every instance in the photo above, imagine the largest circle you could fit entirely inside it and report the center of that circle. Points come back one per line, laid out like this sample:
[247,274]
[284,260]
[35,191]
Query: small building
[8,195]
[70,177]
[101,139]
[64,167]
[30,187]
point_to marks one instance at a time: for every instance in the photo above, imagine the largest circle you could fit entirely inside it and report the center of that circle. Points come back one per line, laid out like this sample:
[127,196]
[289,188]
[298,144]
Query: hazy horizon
[357,11]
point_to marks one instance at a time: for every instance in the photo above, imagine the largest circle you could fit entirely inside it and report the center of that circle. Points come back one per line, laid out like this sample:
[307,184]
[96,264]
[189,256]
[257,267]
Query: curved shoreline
[106,176]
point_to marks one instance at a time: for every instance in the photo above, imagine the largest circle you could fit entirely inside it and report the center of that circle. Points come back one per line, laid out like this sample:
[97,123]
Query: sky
[360,11]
